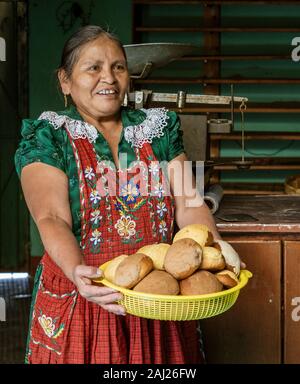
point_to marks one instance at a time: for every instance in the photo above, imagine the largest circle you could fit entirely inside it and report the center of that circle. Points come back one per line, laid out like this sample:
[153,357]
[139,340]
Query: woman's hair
[74,44]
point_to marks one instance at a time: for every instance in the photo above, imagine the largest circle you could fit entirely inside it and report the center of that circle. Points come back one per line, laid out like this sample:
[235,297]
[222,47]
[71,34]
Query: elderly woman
[73,320]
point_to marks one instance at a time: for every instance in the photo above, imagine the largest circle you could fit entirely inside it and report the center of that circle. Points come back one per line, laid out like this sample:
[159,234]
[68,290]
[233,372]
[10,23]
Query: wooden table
[264,324]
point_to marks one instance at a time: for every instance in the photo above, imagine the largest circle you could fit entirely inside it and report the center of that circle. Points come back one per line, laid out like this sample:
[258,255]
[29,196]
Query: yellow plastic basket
[168,307]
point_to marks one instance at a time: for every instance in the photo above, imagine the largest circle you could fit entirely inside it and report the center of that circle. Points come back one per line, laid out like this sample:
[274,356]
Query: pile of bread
[192,265]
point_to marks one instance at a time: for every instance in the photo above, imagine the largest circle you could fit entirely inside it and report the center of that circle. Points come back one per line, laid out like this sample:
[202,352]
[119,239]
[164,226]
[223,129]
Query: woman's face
[99,79]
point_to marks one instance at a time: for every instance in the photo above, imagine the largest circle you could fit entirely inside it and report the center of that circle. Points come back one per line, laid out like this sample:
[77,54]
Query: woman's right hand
[103,296]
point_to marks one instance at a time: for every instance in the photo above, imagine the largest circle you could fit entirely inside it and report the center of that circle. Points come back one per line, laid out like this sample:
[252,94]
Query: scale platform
[144,58]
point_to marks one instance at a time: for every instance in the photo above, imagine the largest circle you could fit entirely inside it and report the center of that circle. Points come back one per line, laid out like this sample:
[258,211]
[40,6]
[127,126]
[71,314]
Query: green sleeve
[175,141]
[40,142]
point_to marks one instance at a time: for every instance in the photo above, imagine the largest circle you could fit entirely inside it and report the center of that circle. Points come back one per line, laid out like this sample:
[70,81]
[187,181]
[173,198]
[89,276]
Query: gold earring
[66,100]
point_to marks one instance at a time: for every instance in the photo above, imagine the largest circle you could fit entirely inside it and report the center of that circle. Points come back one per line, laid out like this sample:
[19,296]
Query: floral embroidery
[158,193]
[89,173]
[161,208]
[130,192]
[96,237]
[125,227]
[48,326]
[125,209]
[96,179]
[159,190]
[154,168]
[163,228]
[95,217]
[95,197]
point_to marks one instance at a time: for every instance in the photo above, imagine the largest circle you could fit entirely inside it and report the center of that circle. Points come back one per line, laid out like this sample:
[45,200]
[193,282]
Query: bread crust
[157,252]
[183,258]
[227,278]
[132,269]
[212,259]
[158,282]
[198,232]
[200,283]
[110,270]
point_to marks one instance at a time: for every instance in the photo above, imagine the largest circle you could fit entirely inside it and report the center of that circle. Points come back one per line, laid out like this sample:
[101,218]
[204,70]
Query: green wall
[13,213]
[47,37]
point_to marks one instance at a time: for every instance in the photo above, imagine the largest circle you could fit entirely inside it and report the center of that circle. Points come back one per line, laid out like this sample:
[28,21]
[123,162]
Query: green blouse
[43,142]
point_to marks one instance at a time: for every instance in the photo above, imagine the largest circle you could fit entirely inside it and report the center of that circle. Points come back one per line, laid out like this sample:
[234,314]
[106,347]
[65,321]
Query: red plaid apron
[65,327]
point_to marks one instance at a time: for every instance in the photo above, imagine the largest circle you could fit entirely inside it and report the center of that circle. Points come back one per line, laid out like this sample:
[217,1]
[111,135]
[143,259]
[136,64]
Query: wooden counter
[274,214]
[264,324]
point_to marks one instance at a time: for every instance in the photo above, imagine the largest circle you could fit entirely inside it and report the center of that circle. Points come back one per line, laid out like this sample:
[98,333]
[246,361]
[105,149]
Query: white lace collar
[77,129]
[153,126]
[136,135]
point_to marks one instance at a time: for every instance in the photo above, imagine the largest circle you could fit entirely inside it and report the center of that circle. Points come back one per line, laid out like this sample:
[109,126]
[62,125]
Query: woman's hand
[103,296]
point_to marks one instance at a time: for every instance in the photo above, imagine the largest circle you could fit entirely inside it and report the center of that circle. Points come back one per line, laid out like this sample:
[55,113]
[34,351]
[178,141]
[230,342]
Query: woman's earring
[125,101]
[66,100]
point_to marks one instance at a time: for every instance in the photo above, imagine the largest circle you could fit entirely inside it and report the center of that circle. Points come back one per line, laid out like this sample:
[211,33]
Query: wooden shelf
[186,80]
[259,167]
[216,29]
[249,2]
[168,2]
[259,163]
[235,57]
[214,2]
[253,189]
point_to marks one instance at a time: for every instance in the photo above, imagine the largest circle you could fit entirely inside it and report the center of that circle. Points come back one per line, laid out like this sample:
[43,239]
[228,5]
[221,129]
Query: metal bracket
[181,99]
[141,98]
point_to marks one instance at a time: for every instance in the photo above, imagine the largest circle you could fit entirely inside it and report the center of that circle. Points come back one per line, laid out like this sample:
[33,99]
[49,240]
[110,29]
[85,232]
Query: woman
[59,161]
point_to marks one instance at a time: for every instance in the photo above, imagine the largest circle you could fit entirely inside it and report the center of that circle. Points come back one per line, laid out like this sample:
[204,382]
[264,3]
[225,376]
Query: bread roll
[227,278]
[212,259]
[200,283]
[132,269]
[159,283]
[183,258]
[157,252]
[197,232]
[110,270]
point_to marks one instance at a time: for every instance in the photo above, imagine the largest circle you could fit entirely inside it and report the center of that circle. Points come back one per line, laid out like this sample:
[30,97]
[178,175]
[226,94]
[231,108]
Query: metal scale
[144,58]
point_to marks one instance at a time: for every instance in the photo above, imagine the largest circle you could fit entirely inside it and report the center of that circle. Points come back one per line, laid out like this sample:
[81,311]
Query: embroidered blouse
[45,140]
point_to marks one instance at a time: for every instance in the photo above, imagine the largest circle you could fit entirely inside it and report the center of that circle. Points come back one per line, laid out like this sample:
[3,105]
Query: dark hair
[74,44]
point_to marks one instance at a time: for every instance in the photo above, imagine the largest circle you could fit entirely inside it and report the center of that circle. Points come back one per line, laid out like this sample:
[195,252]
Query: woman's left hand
[107,298]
